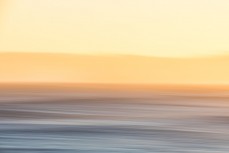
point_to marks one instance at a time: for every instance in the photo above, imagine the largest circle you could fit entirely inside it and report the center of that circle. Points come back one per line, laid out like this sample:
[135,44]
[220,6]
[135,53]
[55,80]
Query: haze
[35,67]
[142,27]
[114,41]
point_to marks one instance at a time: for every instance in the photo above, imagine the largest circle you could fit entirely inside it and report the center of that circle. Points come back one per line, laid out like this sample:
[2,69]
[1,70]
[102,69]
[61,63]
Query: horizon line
[183,88]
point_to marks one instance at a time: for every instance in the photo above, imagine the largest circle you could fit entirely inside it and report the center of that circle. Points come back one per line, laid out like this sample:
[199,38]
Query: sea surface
[101,122]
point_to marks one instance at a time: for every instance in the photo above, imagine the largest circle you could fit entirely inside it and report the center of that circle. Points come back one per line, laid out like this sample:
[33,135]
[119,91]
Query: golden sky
[143,27]
[86,37]
[40,67]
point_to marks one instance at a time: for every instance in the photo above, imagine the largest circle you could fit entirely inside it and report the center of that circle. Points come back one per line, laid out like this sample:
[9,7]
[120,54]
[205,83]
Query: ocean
[34,121]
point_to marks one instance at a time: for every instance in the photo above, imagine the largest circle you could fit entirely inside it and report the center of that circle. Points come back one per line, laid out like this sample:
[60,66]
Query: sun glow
[86,37]
[146,27]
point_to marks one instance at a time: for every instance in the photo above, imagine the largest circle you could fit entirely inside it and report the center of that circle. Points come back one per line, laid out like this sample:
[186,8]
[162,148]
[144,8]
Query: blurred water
[69,123]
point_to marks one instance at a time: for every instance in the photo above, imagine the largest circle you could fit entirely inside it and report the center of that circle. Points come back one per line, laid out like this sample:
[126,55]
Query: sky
[167,28]
[39,67]
[180,41]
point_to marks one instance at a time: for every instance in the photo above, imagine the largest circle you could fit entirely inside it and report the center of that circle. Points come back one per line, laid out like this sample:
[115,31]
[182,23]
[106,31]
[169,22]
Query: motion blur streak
[106,121]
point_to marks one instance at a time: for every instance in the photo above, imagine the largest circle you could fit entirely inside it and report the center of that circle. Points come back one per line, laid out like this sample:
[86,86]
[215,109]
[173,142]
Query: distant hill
[43,67]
